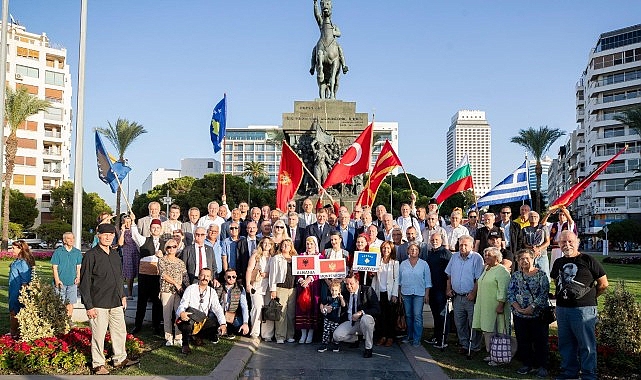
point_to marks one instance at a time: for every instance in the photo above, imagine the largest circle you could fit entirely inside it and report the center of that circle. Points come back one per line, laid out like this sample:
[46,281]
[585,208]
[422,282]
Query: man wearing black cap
[103,295]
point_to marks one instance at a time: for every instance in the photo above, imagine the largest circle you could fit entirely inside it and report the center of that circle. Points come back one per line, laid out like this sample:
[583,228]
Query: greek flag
[513,188]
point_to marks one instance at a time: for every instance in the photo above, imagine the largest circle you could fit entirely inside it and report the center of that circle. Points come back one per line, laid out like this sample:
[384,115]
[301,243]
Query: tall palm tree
[19,105]
[537,142]
[121,135]
[254,171]
[632,118]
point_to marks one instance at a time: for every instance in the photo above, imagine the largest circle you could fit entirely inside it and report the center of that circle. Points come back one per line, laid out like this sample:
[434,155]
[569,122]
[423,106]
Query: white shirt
[206,221]
[191,298]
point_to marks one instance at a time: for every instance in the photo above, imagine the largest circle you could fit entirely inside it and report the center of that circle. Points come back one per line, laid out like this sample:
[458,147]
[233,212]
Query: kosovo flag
[218,124]
[108,167]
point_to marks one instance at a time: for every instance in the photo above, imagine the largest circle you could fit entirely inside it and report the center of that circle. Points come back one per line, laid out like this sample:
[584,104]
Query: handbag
[273,311]
[401,322]
[500,346]
[196,318]
[548,315]
[256,276]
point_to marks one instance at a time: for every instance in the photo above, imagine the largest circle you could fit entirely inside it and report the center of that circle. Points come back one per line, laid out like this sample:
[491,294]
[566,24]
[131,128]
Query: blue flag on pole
[108,167]
[514,187]
[218,124]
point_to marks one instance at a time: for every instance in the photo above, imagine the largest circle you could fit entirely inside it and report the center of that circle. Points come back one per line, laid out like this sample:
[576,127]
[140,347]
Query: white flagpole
[80,120]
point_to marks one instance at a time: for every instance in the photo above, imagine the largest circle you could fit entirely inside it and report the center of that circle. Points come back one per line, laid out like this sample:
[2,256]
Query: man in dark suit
[245,249]
[320,230]
[198,255]
[189,227]
[296,233]
[359,314]
[512,231]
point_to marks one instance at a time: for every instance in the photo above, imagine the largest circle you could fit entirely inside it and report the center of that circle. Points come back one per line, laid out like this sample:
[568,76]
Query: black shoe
[186,350]
[367,353]
[354,344]
[214,339]
[135,330]
[322,348]
[336,347]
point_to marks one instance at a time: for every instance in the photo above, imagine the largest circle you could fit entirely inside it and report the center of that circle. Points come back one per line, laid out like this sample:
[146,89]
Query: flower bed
[69,353]
[622,259]
[38,255]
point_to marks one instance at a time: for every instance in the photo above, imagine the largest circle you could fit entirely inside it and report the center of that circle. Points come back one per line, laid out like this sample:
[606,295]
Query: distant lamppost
[167,200]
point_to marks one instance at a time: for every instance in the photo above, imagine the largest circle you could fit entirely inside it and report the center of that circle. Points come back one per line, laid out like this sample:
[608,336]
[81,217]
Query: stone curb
[422,363]
[233,364]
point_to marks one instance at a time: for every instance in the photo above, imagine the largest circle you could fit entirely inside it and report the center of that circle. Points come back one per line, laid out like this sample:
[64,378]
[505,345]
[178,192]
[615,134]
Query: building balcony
[52,152]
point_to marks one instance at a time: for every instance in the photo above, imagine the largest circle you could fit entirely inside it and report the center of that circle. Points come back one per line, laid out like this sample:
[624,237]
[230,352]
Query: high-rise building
[44,140]
[470,134]
[610,84]
[159,176]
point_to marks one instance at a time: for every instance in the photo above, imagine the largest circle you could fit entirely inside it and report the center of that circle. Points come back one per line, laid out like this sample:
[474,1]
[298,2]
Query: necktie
[251,246]
[200,258]
[293,233]
[354,304]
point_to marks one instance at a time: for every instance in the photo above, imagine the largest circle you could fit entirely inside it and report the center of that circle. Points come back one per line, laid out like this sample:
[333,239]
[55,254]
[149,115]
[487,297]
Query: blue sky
[165,64]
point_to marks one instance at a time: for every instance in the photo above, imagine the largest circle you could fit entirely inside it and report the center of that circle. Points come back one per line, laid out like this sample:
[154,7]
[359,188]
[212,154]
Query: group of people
[212,276]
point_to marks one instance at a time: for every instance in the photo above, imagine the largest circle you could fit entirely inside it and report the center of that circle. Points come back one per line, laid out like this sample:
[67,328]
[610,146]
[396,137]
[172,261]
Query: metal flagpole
[391,192]
[80,119]
[3,79]
[319,184]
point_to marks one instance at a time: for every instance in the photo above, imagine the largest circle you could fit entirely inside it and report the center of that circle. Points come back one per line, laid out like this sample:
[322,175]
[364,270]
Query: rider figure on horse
[325,16]
[327,55]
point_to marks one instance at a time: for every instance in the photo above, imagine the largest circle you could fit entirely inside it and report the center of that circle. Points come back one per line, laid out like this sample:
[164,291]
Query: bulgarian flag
[460,180]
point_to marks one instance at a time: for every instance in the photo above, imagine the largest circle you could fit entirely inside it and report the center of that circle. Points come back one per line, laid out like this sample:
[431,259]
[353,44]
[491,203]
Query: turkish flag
[290,176]
[386,162]
[355,160]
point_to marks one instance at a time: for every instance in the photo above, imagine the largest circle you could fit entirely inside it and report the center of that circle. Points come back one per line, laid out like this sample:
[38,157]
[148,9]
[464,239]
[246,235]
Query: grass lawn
[157,358]
[458,366]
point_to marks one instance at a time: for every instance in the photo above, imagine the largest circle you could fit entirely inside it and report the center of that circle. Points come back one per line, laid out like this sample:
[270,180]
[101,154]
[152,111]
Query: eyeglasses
[230,277]
[233,228]
[291,205]
[199,234]
[171,247]
[472,216]
[279,227]
[505,212]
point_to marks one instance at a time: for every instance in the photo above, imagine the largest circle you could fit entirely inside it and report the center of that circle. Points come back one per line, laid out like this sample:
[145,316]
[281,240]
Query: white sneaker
[178,342]
[280,341]
[169,343]
[291,340]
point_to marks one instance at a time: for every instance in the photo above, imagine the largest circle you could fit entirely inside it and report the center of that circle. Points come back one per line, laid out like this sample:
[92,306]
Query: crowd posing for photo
[214,276]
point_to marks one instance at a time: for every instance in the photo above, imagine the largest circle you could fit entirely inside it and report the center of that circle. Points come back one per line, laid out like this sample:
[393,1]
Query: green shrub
[44,314]
[620,321]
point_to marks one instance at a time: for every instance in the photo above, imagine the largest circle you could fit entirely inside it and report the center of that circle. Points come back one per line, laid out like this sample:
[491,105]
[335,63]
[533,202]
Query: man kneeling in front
[202,298]
[362,308]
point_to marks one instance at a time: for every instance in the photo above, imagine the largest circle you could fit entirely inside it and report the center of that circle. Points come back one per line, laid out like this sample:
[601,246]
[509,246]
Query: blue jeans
[414,317]
[543,263]
[577,341]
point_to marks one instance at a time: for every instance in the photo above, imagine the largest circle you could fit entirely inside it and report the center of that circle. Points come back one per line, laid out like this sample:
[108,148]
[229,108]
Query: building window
[636,185]
[28,53]
[210,165]
[53,113]
[20,179]
[27,71]
[615,167]
[634,202]
[57,79]
[613,185]
[614,202]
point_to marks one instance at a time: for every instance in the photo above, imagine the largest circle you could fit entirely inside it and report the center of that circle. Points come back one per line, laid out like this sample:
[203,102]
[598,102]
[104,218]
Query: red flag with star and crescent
[386,162]
[290,176]
[355,160]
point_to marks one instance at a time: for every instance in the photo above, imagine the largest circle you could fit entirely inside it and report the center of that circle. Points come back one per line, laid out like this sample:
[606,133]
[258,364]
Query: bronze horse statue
[327,55]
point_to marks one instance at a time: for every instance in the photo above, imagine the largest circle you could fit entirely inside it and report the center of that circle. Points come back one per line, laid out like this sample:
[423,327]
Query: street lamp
[167,200]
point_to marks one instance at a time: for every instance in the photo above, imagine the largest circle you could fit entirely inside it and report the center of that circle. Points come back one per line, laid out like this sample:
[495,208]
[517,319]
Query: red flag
[386,162]
[573,193]
[290,176]
[355,160]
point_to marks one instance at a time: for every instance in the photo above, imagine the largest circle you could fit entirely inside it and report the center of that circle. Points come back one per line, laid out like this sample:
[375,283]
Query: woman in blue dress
[19,275]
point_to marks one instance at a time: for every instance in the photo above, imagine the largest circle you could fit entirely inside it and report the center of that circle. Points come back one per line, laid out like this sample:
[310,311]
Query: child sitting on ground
[331,309]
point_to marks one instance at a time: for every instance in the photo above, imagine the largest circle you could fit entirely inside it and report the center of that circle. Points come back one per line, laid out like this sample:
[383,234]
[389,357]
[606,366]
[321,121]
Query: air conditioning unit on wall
[19,76]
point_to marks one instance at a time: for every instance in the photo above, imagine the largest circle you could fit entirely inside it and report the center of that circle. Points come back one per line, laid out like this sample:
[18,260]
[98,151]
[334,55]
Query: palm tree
[537,142]
[19,105]
[632,118]
[254,171]
[121,135]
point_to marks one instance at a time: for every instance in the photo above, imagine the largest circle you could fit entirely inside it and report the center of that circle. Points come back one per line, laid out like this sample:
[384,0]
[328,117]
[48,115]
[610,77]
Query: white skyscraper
[470,134]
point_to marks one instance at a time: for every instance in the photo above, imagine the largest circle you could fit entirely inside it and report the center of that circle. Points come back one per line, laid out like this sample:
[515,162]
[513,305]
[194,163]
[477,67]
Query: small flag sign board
[366,261]
[304,265]
[332,268]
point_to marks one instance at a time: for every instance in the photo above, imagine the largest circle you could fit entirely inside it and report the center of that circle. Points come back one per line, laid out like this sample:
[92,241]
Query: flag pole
[407,178]
[224,183]
[121,190]
[319,184]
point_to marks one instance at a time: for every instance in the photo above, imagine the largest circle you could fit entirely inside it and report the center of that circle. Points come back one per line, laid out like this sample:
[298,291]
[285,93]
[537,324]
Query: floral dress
[130,257]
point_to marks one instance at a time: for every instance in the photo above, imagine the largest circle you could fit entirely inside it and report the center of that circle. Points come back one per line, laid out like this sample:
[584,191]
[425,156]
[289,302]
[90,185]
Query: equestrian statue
[327,56]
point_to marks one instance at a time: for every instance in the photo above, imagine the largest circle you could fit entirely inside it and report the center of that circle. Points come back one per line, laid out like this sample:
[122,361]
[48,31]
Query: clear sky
[165,64]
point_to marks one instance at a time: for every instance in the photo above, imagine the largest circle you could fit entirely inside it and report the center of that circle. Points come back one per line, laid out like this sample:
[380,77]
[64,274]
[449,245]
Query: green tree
[51,232]
[537,142]
[632,118]
[19,105]
[256,173]
[62,206]
[121,135]
[22,209]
